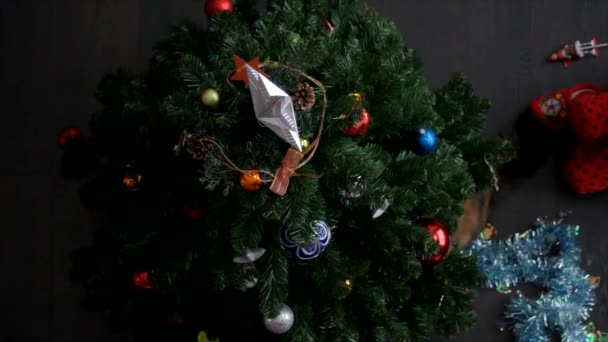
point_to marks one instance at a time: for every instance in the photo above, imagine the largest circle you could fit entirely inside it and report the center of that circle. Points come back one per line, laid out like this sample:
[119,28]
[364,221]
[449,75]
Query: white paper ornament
[273,108]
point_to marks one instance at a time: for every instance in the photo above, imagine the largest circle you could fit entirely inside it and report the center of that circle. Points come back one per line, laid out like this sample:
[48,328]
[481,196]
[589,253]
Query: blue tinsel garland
[549,256]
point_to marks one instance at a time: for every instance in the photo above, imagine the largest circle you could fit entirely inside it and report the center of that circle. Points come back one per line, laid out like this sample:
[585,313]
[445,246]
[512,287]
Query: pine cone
[197,147]
[303,97]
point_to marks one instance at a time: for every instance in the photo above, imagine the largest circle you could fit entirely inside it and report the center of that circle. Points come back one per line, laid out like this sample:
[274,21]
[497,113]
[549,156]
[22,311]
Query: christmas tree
[286,176]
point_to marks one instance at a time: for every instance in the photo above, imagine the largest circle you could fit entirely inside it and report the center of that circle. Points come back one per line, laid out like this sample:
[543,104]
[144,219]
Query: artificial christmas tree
[307,218]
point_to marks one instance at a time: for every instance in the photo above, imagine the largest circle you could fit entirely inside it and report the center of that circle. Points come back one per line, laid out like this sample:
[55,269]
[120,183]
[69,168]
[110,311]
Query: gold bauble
[133,179]
[304,144]
[210,97]
[251,180]
[202,337]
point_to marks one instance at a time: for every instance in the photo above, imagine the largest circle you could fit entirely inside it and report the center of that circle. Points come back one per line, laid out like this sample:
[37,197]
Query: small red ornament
[66,136]
[441,235]
[329,25]
[359,127]
[176,319]
[140,280]
[194,212]
[213,7]
[576,50]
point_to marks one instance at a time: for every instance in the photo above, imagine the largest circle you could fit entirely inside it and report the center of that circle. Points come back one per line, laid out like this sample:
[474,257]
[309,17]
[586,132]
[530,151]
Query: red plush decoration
[584,110]
[587,170]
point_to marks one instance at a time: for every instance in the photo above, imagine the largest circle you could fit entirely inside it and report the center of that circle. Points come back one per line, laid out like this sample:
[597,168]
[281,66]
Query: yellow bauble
[304,144]
[251,180]
[210,97]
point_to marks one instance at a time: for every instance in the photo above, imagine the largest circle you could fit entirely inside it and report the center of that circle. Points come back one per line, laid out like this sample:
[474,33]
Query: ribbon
[286,171]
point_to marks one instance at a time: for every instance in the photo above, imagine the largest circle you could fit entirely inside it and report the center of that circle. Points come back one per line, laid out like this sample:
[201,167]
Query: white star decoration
[273,108]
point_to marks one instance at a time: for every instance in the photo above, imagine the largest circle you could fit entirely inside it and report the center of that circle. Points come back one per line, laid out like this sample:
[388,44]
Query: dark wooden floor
[52,54]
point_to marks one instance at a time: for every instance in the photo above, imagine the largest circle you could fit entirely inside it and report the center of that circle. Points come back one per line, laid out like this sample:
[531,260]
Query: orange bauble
[133,180]
[251,180]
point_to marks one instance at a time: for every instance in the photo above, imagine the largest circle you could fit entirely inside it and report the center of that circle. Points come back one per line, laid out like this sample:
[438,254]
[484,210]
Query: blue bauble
[314,249]
[425,141]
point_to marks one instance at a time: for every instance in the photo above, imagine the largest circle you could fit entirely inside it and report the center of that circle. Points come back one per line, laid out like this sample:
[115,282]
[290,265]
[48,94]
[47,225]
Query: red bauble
[359,127]
[140,280]
[213,7]
[194,212]
[176,319]
[67,135]
[441,235]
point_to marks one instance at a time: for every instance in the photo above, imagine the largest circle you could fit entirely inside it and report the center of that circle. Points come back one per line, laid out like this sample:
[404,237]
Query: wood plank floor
[52,53]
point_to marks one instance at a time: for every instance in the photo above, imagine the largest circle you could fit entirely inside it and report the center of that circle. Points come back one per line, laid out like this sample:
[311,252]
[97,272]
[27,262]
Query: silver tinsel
[547,255]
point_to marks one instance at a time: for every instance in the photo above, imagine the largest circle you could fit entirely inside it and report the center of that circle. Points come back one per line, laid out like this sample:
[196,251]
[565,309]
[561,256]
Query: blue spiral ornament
[425,141]
[312,250]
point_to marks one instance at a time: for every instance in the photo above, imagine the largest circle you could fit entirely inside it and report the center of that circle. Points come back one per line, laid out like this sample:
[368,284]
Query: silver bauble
[282,322]
[250,282]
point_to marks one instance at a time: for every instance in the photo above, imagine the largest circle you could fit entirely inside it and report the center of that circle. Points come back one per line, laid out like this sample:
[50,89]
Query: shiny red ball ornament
[213,7]
[360,127]
[140,280]
[67,135]
[176,319]
[194,212]
[441,235]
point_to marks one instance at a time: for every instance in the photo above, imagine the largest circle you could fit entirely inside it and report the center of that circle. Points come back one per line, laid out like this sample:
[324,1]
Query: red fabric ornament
[213,7]
[194,212]
[440,233]
[553,108]
[140,280]
[66,136]
[359,127]
[587,170]
[588,115]
[584,110]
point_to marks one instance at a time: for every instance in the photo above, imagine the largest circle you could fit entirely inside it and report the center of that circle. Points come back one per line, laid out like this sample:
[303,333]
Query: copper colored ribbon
[286,171]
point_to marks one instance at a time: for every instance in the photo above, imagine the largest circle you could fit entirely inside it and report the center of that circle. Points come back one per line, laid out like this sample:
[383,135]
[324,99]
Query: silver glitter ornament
[282,322]
[273,108]
[354,188]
